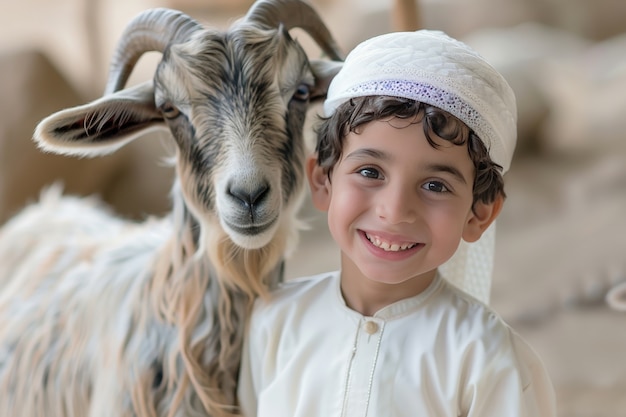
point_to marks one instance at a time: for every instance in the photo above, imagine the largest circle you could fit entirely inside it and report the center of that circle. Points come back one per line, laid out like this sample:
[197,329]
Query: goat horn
[151,30]
[295,13]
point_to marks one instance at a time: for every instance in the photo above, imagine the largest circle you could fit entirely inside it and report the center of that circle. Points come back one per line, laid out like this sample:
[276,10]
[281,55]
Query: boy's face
[397,207]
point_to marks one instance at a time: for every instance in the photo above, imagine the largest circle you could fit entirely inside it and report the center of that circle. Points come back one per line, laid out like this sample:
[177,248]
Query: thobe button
[371,327]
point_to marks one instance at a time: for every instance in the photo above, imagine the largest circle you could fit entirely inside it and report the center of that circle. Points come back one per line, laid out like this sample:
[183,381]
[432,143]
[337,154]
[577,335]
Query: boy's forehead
[379,138]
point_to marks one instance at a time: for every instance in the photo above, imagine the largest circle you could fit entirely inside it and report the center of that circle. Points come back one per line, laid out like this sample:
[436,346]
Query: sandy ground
[561,237]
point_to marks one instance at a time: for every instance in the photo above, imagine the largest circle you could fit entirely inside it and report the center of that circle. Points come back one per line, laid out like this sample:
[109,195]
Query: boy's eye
[369,173]
[435,186]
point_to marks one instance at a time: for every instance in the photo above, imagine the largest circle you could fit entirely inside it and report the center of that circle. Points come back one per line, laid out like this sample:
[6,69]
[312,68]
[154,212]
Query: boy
[418,130]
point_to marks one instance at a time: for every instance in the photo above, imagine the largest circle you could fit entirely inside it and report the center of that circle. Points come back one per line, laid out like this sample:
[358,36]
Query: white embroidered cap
[431,67]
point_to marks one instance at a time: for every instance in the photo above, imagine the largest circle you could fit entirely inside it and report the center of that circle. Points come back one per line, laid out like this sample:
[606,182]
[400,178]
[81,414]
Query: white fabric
[431,67]
[438,354]
[471,266]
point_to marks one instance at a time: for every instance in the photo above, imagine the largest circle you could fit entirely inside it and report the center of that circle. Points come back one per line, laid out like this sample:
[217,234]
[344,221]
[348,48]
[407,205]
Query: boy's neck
[367,296]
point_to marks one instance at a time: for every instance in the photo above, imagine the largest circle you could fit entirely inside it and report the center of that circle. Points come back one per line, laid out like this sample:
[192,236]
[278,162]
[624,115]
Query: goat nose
[249,198]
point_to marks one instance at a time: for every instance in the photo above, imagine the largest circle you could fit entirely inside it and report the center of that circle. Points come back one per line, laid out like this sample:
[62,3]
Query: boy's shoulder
[472,317]
[302,288]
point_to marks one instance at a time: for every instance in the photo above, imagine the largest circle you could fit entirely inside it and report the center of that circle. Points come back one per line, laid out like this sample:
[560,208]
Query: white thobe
[438,354]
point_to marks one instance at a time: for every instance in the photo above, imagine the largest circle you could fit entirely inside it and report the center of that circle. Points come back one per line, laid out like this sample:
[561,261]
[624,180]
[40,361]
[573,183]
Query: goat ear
[324,72]
[102,126]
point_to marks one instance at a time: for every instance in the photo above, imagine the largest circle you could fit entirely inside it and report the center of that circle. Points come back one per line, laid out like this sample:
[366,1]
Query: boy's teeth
[386,246]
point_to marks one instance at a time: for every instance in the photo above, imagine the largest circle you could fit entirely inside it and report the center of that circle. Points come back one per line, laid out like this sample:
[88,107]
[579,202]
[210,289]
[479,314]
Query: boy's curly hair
[349,116]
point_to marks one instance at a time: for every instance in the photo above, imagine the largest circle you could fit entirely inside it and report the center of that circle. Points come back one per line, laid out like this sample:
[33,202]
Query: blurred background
[562,236]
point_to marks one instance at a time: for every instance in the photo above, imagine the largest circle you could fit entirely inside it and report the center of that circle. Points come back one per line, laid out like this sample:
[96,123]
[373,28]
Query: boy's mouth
[389,246]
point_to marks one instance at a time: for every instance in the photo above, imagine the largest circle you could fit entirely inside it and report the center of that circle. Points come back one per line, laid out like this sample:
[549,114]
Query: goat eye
[301,93]
[169,111]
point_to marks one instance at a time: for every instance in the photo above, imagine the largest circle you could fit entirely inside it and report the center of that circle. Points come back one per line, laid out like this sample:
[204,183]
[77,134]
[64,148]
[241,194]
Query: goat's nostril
[249,198]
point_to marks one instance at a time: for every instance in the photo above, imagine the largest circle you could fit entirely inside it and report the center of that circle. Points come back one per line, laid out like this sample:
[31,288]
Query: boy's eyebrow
[369,152]
[449,169]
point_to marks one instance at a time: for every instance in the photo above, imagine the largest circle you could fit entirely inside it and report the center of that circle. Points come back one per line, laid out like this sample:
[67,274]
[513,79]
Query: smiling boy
[417,132]
[397,207]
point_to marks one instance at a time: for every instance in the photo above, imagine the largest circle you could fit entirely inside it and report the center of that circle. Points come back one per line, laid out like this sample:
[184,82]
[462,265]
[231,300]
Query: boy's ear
[481,217]
[318,183]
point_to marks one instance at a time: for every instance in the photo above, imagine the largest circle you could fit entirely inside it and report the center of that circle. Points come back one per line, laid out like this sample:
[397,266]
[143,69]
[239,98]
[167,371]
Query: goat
[106,317]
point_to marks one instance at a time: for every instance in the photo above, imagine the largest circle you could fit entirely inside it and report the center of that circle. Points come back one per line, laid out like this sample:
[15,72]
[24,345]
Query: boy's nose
[398,205]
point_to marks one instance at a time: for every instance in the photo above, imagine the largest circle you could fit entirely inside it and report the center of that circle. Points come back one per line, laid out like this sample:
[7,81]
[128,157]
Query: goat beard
[249,271]
[241,275]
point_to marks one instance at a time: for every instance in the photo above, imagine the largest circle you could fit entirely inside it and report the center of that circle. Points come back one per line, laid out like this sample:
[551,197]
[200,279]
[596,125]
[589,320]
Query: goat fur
[102,316]
[102,313]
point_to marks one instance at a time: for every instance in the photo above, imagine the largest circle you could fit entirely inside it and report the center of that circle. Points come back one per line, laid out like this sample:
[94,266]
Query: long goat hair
[103,316]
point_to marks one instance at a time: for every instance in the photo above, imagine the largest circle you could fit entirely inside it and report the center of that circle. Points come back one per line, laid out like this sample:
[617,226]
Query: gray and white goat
[105,317]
